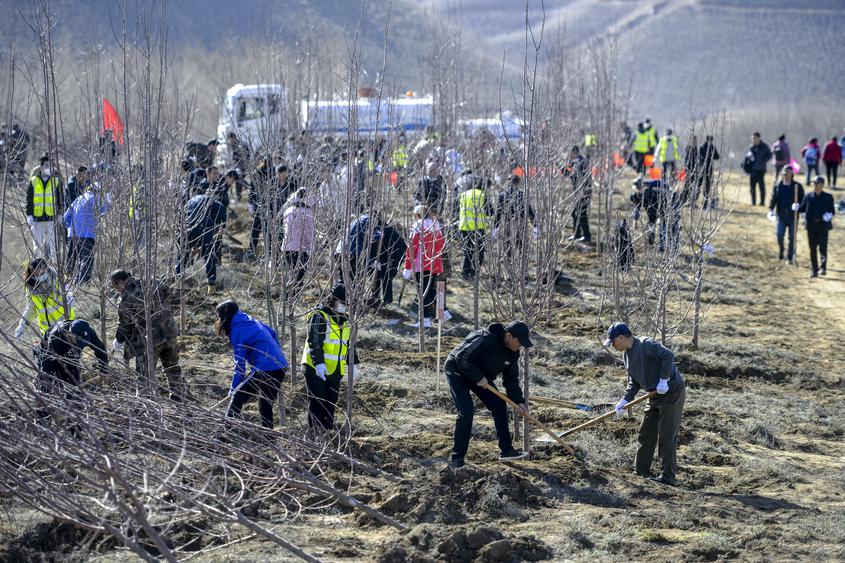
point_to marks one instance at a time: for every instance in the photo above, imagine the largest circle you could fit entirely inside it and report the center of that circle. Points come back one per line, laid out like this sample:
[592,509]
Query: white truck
[254,112]
[374,115]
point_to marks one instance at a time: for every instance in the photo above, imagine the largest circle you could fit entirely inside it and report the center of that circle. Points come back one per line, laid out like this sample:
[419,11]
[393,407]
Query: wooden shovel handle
[598,419]
[533,420]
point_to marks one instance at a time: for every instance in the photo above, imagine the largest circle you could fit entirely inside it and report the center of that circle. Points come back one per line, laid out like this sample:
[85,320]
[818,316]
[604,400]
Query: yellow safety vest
[590,140]
[674,140]
[334,346]
[49,311]
[400,156]
[652,137]
[641,142]
[135,202]
[42,196]
[472,215]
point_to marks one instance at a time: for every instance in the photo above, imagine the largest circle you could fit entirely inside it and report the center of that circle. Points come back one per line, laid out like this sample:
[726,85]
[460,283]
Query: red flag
[111,121]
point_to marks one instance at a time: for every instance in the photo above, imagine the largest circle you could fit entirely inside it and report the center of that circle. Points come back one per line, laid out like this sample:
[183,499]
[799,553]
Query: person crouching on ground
[651,366]
[256,344]
[472,366]
[325,358]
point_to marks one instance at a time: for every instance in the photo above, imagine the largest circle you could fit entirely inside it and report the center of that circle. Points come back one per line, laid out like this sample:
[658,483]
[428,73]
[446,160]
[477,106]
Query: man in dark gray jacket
[651,366]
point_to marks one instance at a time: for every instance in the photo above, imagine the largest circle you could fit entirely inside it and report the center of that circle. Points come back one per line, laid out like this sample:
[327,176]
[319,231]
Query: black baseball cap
[520,330]
[616,329]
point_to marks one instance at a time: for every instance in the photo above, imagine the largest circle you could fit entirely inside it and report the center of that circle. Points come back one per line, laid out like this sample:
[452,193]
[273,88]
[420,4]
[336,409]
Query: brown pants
[660,425]
[168,354]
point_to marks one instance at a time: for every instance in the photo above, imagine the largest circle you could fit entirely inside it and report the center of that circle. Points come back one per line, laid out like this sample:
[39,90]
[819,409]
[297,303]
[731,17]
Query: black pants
[322,397]
[296,263]
[778,170]
[80,258]
[429,289]
[705,185]
[461,387]
[581,221]
[386,276]
[818,245]
[265,386]
[757,178]
[205,241]
[473,247]
[659,428]
[831,169]
[667,175]
[257,225]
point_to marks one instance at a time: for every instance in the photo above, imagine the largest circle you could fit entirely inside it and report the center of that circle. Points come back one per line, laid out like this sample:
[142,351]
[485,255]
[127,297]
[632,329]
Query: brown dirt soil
[761,455]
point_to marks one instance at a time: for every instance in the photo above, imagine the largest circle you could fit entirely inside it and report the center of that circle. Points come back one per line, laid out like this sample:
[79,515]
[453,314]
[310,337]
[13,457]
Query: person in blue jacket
[82,219]
[256,344]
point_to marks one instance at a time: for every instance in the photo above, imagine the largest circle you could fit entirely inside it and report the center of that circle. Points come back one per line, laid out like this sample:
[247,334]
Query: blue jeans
[202,238]
[81,258]
[782,227]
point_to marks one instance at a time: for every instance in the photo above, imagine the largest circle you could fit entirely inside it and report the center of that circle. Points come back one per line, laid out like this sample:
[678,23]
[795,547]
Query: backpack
[748,163]
[780,154]
[811,156]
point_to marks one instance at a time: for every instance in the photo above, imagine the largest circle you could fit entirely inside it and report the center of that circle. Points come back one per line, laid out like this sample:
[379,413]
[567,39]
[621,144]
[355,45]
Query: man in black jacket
[578,171]
[651,366]
[757,157]
[819,211]
[706,155]
[786,199]
[472,366]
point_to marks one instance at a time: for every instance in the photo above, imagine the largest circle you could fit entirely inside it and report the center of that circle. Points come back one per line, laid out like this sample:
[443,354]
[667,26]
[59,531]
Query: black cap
[339,292]
[520,330]
[818,180]
[615,330]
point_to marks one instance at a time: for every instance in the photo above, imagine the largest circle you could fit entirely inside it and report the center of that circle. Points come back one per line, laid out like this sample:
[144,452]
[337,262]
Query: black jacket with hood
[483,354]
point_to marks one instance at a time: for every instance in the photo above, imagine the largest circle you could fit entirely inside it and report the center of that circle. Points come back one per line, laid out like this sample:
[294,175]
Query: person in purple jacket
[256,344]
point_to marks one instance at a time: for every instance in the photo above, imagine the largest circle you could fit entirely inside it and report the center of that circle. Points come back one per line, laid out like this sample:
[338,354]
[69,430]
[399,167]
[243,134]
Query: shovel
[596,420]
[533,421]
[570,404]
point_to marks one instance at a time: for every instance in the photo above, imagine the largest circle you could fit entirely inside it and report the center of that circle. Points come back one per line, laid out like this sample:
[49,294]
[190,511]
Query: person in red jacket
[832,157]
[424,259]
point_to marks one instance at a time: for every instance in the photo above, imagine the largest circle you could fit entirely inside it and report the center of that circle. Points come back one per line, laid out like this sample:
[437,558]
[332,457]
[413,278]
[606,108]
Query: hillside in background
[766,62]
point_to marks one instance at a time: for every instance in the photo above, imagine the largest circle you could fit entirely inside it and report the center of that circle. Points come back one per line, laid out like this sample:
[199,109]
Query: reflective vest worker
[44,298]
[652,134]
[667,150]
[400,156]
[43,198]
[642,141]
[473,215]
[325,358]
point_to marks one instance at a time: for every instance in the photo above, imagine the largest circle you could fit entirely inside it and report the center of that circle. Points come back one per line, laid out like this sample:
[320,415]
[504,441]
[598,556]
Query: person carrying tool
[818,209]
[472,366]
[256,344]
[786,199]
[325,358]
[651,366]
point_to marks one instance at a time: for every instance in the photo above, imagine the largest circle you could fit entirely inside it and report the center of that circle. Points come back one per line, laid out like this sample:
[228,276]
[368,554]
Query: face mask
[42,278]
[340,308]
[45,170]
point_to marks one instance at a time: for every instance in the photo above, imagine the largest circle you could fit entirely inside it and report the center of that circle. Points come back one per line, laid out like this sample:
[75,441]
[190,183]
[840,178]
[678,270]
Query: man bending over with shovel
[472,366]
[651,366]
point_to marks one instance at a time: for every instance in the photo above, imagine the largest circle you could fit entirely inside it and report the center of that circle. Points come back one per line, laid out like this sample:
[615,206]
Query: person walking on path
[832,157]
[756,158]
[472,366]
[780,150]
[812,155]
[651,367]
[818,209]
[786,199]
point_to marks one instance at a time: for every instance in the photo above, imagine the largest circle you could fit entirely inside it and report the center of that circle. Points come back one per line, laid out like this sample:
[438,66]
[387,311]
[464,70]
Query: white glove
[71,300]
[251,208]
[20,329]
[535,233]
[321,371]
[772,215]
[796,206]
[407,274]
[662,386]
[495,233]
[828,217]
[620,407]
[30,220]
[117,346]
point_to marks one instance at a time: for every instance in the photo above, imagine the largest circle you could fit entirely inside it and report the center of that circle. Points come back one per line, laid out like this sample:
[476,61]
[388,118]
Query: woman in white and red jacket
[424,259]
